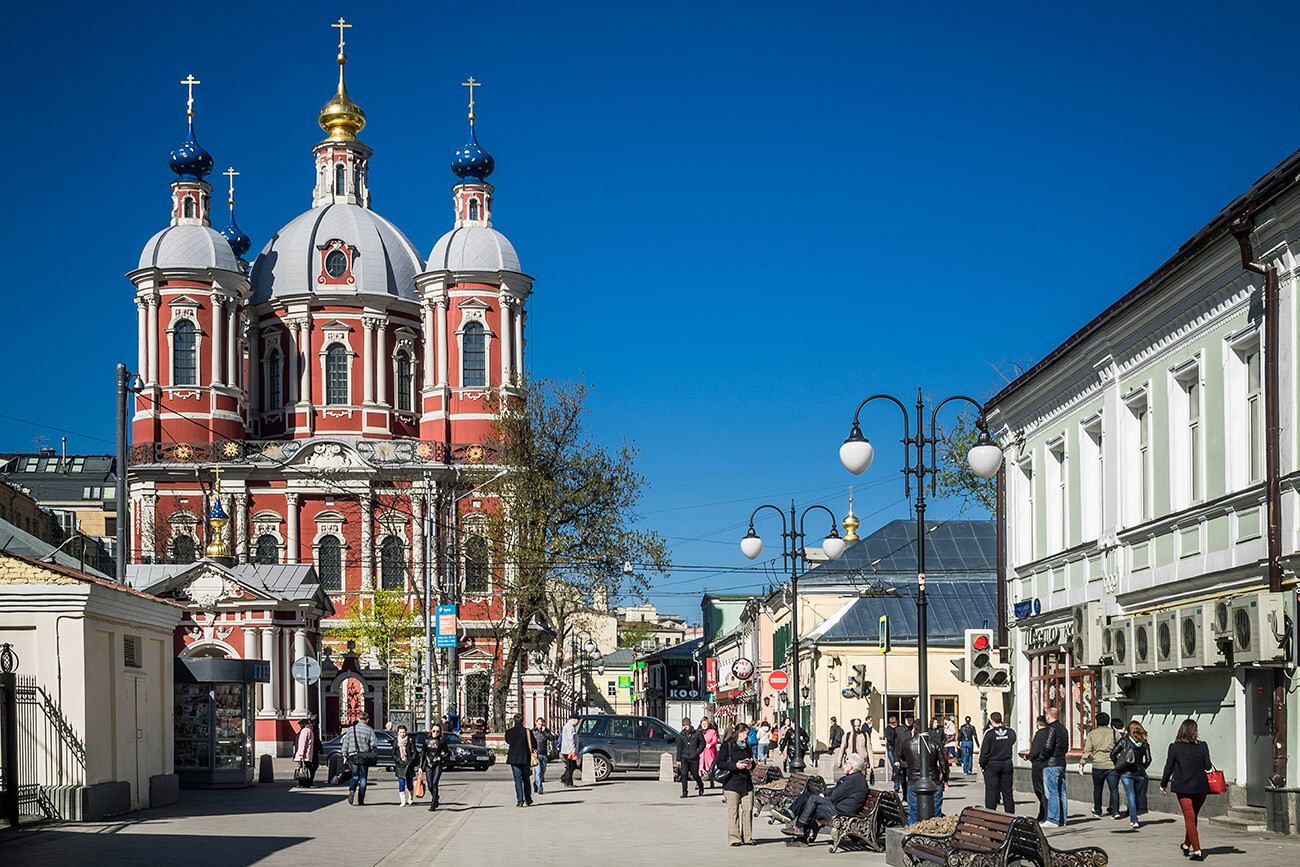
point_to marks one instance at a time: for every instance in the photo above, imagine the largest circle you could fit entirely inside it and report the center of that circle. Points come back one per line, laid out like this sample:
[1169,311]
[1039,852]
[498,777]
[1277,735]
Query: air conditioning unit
[1119,637]
[1144,644]
[1088,621]
[1197,646]
[1260,627]
[1221,619]
[1115,686]
[1166,639]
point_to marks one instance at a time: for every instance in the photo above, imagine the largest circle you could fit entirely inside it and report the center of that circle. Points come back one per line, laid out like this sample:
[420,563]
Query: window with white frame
[1092,479]
[1186,436]
[477,565]
[474,355]
[329,563]
[274,380]
[1058,513]
[1025,512]
[1244,409]
[392,564]
[1137,458]
[336,375]
[1254,415]
[185,365]
[405,381]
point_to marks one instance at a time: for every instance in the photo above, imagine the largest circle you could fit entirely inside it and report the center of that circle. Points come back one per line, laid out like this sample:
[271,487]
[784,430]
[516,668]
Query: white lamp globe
[833,546]
[985,458]
[751,546]
[856,453]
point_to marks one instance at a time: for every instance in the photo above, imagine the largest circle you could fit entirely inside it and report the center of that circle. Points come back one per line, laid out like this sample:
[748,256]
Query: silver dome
[474,248]
[189,247]
[386,262]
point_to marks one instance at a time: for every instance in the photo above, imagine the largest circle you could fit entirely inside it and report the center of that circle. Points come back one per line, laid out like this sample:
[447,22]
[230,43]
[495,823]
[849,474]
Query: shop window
[1073,692]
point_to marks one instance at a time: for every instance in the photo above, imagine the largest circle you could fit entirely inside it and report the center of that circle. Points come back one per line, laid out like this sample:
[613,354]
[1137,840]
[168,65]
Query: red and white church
[338,388]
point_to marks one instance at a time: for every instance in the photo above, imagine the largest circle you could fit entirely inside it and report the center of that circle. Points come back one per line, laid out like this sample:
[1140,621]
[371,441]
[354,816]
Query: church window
[476,565]
[477,693]
[329,564]
[336,264]
[274,383]
[404,381]
[473,209]
[340,179]
[336,375]
[268,550]
[475,352]
[185,354]
[392,563]
[183,549]
[187,207]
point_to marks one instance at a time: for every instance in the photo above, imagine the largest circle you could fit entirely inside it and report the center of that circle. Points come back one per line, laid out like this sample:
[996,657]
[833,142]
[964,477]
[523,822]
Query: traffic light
[858,687]
[981,669]
[866,689]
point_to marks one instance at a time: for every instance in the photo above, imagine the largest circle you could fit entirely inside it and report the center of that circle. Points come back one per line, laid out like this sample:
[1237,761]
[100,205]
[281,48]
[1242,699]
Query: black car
[463,753]
[624,743]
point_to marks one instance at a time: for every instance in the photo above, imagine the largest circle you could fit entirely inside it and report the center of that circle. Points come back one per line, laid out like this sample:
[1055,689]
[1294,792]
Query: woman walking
[432,758]
[763,738]
[305,753]
[1186,766]
[736,758]
[710,752]
[405,764]
[1131,756]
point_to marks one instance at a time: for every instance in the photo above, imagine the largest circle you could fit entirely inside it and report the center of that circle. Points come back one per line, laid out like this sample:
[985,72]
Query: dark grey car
[624,743]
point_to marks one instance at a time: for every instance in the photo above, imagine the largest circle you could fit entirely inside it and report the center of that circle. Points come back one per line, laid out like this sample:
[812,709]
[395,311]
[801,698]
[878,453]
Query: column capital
[372,323]
[292,498]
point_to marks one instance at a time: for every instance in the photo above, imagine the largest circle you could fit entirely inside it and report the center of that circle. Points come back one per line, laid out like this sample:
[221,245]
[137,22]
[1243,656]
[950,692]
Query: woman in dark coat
[1131,756]
[737,757]
[432,758]
[405,761]
[1186,767]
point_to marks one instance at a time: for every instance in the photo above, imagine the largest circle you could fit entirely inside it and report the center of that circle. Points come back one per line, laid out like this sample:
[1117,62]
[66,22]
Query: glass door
[229,717]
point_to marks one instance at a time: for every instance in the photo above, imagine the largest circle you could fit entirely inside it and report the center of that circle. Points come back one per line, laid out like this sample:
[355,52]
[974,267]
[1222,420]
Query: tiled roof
[955,605]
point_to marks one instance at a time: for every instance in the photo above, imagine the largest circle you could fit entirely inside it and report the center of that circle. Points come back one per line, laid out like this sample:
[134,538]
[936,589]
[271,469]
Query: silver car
[624,743]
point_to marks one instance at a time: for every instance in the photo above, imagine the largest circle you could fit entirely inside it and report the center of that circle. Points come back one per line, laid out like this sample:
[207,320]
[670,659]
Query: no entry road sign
[778,680]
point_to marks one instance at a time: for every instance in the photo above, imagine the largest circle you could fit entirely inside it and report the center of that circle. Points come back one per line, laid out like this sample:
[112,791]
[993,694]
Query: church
[315,421]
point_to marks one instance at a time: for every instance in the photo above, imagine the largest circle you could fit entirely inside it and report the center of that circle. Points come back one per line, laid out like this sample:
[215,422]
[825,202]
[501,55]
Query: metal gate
[41,757]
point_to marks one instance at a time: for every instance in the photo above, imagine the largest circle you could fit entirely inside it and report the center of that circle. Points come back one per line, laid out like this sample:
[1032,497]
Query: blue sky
[742,218]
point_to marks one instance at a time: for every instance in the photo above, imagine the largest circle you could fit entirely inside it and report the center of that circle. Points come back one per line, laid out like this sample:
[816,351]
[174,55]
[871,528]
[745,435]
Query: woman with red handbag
[1188,767]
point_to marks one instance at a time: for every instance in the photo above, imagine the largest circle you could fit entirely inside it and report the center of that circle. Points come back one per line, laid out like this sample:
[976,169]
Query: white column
[271,650]
[299,688]
[381,363]
[153,340]
[291,386]
[218,327]
[305,394]
[294,541]
[148,532]
[241,527]
[232,345]
[368,360]
[443,339]
[519,337]
[417,540]
[507,349]
[253,650]
[142,340]
[367,540]
[430,376]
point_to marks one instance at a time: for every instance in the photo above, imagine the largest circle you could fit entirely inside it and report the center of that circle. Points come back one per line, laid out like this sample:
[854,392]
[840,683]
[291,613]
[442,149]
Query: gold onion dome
[342,118]
[851,524]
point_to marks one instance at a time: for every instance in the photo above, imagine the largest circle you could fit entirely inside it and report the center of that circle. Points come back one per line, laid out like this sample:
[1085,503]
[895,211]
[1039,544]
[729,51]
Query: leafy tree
[383,626]
[953,476]
[634,635]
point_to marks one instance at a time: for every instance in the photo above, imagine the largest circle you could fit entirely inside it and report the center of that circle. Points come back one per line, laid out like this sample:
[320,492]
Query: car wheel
[603,766]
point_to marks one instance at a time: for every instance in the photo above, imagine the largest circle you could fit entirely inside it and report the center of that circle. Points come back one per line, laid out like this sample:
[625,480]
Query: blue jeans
[911,803]
[1107,778]
[539,772]
[1054,785]
[523,783]
[1134,786]
[359,774]
[762,751]
[967,750]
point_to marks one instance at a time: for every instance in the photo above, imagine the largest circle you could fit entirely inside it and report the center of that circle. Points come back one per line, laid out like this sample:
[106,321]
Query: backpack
[1124,755]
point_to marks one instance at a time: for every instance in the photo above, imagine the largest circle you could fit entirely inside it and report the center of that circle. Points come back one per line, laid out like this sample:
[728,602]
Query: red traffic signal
[981,642]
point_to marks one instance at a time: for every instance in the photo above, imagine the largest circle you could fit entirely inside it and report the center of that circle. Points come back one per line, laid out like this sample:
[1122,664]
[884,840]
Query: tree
[566,512]
[953,476]
[634,635]
[382,626]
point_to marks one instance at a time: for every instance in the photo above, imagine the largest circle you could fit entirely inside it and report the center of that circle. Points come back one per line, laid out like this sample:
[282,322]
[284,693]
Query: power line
[59,429]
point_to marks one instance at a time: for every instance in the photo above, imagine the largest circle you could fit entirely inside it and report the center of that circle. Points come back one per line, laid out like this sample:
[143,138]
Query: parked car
[624,743]
[463,753]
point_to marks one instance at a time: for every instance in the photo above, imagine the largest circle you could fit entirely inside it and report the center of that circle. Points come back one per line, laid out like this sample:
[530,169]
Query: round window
[336,264]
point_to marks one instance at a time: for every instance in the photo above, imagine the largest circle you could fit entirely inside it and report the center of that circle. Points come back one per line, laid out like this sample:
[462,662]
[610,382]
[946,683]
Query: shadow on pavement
[265,798]
[75,849]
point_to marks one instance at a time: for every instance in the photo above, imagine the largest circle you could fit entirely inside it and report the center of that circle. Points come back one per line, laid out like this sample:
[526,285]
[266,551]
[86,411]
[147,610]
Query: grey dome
[189,247]
[474,248]
[386,262]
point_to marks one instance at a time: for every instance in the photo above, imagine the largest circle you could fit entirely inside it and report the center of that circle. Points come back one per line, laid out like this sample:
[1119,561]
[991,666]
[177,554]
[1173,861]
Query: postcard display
[214,725]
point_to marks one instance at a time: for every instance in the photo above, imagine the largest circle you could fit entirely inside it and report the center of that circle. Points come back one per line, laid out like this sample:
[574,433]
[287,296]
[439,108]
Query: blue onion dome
[239,242]
[217,510]
[190,161]
[471,162]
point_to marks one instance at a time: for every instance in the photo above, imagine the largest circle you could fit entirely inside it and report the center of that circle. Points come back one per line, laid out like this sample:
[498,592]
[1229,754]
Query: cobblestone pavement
[625,821]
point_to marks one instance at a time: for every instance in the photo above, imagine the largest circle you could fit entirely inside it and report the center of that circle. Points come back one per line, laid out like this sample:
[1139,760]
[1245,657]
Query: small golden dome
[342,118]
[851,524]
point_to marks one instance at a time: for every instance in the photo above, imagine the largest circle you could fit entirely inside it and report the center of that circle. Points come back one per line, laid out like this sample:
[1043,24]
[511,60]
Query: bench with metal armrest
[781,798]
[984,838]
[883,809]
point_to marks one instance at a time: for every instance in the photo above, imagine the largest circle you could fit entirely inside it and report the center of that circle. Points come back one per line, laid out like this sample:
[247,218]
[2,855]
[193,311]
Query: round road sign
[778,680]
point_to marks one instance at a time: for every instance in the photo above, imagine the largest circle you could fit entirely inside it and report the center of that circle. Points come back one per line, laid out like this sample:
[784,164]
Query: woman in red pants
[1186,767]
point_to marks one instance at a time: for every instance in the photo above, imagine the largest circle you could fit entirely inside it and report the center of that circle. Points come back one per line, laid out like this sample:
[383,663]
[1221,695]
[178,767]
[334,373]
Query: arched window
[336,375]
[329,564]
[184,354]
[340,179]
[476,565]
[404,382]
[473,209]
[474,356]
[183,549]
[274,383]
[392,564]
[478,688]
[187,208]
[268,550]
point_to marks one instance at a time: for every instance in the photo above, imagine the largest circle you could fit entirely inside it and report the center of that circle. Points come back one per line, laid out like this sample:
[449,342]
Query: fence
[41,757]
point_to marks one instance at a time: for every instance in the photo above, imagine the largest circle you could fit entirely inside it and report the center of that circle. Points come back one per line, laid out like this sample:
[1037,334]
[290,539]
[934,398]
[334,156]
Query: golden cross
[232,174]
[471,84]
[216,476]
[340,26]
[189,81]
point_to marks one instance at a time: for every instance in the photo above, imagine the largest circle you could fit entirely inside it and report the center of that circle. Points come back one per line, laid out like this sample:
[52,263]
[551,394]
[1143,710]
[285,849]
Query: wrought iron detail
[8,659]
[377,452]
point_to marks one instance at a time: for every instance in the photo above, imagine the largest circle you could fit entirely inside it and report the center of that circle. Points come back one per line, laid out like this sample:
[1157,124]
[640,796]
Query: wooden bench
[762,774]
[780,798]
[986,838]
[883,809]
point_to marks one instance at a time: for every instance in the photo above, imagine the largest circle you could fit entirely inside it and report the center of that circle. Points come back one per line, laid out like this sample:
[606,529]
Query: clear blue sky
[741,217]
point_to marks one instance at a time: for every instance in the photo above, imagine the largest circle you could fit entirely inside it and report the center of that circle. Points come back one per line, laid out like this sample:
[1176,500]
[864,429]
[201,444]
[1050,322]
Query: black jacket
[998,746]
[1141,757]
[689,745]
[1058,744]
[837,735]
[520,751]
[435,754]
[730,752]
[966,732]
[909,756]
[1038,751]
[1187,765]
[402,765]
[891,738]
[849,794]
[544,740]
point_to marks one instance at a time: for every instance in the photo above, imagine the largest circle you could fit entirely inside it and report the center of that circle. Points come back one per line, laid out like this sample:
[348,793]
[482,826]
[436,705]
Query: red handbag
[1218,785]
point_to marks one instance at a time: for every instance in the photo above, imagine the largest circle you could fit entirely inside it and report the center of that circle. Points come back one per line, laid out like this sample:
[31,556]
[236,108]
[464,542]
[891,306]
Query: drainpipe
[1241,229]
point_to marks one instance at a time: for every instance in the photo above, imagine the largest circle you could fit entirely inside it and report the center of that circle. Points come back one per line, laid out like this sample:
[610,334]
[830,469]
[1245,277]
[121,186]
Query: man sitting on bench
[811,808]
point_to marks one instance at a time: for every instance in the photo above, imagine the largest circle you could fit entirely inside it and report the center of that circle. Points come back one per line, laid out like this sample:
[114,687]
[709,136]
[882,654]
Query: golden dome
[851,524]
[342,118]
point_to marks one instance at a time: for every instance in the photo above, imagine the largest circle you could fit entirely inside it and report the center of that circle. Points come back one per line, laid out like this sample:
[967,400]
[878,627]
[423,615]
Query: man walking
[966,743]
[359,747]
[543,739]
[836,736]
[857,740]
[909,758]
[519,756]
[1096,749]
[1058,743]
[810,808]
[690,743]
[569,750]
[996,753]
[891,749]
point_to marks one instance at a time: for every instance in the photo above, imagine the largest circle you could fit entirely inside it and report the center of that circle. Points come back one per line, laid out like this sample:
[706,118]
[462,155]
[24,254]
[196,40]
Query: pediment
[209,586]
[183,301]
[329,456]
[473,304]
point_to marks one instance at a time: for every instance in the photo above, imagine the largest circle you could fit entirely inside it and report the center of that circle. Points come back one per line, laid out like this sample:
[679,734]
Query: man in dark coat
[811,808]
[996,753]
[1037,761]
[909,759]
[891,748]
[836,735]
[690,743]
[519,757]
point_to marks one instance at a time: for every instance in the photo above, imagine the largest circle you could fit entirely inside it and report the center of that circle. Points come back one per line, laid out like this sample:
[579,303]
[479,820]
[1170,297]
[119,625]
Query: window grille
[475,356]
[329,564]
[336,375]
[185,353]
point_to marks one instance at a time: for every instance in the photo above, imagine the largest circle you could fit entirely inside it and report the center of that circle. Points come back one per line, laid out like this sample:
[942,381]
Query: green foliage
[953,476]
[381,625]
[634,635]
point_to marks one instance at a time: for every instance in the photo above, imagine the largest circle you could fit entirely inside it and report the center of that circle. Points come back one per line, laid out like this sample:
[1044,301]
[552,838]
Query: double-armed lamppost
[985,458]
[581,658]
[792,551]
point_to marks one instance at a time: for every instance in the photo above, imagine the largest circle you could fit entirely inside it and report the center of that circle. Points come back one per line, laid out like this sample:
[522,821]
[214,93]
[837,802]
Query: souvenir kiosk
[214,720]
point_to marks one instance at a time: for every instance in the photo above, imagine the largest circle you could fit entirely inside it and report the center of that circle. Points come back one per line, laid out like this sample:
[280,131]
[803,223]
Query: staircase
[1242,819]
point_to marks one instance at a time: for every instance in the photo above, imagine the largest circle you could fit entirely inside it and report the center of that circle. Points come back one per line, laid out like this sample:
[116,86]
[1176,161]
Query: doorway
[1258,734]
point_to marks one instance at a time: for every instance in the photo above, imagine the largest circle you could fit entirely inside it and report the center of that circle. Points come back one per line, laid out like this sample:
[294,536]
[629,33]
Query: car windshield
[453,739]
[589,725]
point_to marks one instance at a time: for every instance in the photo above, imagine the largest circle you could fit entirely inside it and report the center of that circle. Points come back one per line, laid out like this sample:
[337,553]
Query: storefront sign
[1047,636]
[445,625]
[624,682]
[711,674]
[743,669]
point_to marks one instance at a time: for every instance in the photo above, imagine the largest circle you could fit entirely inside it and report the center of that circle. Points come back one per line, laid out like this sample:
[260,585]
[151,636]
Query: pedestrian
[763,739]
[1132,756]
[891,748]
[361,749]
[757,747]
[966,743]
[909,758]
[996,753]
[774,738]
[544,739]
[793,731]
[736,760]
[1058,744]
[858,741]
[950,736]
[802,817]
[306,754]
[405,764]
[710,752]
[569,749]
[690,744]
[433,759]
[1096,749]
[520,756]
[1037,761]
[1186,767]
[836,735]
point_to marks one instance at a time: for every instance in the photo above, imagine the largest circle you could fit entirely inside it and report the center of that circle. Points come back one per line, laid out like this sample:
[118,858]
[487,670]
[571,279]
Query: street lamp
[792,551]
[985,459]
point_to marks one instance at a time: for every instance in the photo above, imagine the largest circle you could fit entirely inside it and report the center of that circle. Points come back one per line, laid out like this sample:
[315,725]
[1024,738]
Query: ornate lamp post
[792,551]
[985,459]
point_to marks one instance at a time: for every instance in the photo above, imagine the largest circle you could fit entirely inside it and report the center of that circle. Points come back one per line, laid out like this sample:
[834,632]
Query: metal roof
[953,549]
[56,479]
[955,605]
[684,650]
[291,581]
[24,544]
[621,658]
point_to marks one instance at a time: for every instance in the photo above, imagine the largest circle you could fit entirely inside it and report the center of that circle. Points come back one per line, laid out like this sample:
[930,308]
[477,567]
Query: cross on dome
[239,242]
[471,84]
[341,117]
[341,26]
[189,81]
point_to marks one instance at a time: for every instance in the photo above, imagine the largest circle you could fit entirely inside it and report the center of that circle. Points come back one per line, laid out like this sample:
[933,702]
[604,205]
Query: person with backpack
[966,743]
[1186,766]
[1096,749]
[361,749]
[1131,756]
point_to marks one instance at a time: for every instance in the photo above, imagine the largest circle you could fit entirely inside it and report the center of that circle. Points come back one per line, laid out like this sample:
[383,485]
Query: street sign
[884,633]
[778,680]
[624,682]
[305,669]
[445,625]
